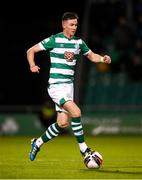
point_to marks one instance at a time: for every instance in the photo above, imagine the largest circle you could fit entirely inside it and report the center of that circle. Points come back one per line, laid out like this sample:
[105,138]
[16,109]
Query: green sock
[77,129]
[52,131]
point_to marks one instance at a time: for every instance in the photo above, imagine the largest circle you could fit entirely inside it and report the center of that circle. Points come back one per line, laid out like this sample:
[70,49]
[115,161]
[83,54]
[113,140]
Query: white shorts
[60,93]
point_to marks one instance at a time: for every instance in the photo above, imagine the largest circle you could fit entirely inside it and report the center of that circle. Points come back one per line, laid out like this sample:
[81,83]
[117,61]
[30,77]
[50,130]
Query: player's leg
[76,125]
[55,128]
[52,131]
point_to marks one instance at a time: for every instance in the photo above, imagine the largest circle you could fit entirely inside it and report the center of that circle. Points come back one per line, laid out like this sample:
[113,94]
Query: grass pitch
[61,159]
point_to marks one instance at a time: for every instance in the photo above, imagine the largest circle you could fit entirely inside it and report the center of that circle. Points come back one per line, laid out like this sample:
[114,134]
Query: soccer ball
[93,160]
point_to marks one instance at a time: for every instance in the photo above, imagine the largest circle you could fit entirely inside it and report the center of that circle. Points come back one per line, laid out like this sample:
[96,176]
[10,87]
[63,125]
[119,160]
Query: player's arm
[30,57]
[96,58]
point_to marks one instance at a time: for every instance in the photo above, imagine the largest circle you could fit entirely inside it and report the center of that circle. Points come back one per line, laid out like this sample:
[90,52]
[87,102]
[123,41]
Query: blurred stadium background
[110,96]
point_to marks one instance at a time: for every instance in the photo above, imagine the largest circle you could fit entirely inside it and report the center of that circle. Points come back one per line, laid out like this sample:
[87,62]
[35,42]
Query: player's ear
[63,24]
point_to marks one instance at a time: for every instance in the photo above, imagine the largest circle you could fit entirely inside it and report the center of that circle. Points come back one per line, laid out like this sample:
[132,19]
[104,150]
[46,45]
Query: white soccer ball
[93,160]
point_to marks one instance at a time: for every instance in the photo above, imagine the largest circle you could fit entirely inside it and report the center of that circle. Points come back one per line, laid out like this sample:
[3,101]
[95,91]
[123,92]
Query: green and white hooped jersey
[64,53]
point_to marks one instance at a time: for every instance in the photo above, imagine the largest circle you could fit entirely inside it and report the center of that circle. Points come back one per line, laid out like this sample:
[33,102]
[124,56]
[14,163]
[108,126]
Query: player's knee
[63,124]
[76,113]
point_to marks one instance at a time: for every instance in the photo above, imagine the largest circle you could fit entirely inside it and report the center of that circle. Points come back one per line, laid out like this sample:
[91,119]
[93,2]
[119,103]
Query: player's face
[70,27]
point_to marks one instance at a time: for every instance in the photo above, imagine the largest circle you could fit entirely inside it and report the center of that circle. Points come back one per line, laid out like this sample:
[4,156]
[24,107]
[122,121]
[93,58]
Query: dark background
[24,24]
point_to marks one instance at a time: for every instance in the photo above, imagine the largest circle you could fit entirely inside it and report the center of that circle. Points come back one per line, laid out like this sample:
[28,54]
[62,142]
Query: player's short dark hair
[69,15]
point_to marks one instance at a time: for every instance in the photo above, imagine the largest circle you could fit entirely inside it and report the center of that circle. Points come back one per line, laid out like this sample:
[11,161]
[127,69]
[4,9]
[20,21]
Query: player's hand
[35,69]
[107,59]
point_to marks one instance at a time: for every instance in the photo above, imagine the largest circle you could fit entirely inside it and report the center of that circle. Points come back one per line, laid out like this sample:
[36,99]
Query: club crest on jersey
[69,56]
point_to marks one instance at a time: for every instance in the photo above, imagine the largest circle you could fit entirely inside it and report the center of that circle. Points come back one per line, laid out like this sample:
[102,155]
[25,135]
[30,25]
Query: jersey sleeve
[47,43]
[84,48]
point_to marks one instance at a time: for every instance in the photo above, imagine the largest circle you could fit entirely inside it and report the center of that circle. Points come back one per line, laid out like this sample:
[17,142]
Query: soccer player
[64,48]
